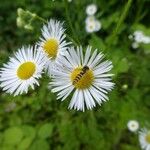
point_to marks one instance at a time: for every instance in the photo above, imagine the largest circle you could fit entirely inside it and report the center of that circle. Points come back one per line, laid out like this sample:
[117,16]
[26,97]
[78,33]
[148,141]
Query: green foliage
[37,121]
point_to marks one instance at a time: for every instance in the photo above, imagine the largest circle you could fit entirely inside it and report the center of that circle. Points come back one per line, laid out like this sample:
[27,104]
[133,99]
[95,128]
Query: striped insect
[80,75]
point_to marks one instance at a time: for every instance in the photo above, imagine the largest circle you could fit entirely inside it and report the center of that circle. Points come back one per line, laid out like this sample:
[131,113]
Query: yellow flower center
[51,48]
[82,77]
[26,70]
[148,137]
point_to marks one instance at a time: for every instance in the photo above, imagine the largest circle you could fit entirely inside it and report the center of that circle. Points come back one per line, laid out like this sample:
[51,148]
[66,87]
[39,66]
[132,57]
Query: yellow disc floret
[148,137]
[51,48]
[82,79]
[26,70]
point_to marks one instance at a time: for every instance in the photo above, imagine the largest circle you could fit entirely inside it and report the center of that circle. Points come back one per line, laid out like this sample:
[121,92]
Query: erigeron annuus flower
[90,19]
[92,24]
[135,45]
[84,76]
[144,139]
[52,42]
[133,125]
[97,25]
[22,71]
[90,27]
[91,9]
[138,36]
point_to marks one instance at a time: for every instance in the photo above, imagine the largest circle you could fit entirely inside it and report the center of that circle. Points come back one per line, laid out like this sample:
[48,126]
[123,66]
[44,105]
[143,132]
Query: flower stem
[40,18]
[70,23]
[121,20]
[123,16]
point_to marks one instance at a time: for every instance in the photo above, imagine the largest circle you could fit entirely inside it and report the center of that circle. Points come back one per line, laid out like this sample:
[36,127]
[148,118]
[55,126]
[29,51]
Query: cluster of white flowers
[71,71]
[139,37]
[144,134]
[92,24]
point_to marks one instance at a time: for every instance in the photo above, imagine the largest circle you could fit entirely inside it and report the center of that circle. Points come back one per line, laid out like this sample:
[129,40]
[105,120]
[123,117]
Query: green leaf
[8,147]
[13,135]
[25,143]
[29,131]
[97,43]
[40,144]
[45,130]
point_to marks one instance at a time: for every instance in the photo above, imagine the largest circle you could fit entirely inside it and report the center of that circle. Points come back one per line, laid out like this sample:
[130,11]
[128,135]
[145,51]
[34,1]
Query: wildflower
[133,125]
[135,45]
[97,25]
[138,36]
[84,76]
[52,42]
[144,139]
[91,9]
[90,19]
[22,70]
[90,27]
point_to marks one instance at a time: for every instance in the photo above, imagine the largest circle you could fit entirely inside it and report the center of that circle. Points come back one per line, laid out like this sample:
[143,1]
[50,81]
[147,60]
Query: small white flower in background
[130,36]
[144,139]
[135,45]
[22,71]
[90,19]
[91,9]
[97,25]
[146,39]
[91,23]
[86,77]
[133,125]
[53,43]
[138,36]
[69,0]
[90,27]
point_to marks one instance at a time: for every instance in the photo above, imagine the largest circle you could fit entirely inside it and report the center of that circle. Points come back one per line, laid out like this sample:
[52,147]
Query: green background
[37,121]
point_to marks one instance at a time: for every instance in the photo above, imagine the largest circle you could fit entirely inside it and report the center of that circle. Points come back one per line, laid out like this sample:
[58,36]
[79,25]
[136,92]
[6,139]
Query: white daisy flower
[138,36]
[130,36]
[144,139]
[90,19]
[53,42]
[91,9]
[97,25]
[90,27]
[22,70]
[135,45]
[146,39]
[133,125]
[84,76]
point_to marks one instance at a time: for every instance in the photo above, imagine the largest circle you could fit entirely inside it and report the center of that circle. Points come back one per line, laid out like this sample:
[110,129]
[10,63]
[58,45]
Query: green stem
[121,20]
[123,16]
[70,23]
[40,18]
